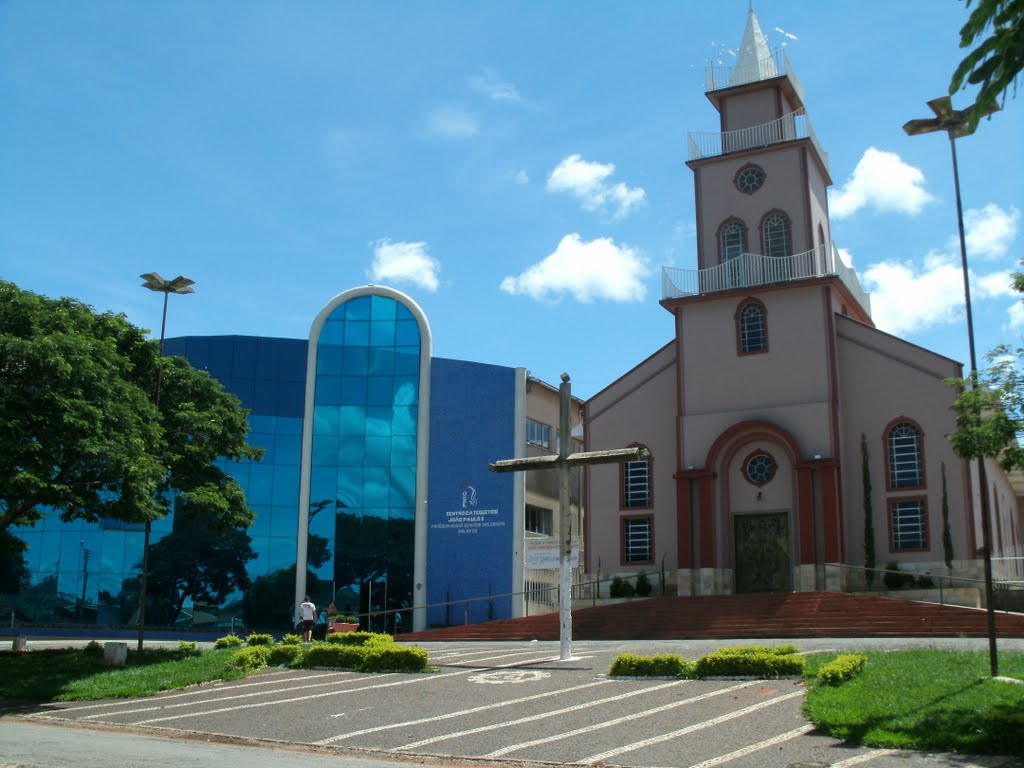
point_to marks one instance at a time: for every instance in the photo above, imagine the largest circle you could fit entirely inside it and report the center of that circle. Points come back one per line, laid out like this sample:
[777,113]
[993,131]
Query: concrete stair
[775,615]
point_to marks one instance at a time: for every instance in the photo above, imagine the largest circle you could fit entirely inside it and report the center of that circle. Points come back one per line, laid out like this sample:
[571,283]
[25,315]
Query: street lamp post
[180,285]
[956,124]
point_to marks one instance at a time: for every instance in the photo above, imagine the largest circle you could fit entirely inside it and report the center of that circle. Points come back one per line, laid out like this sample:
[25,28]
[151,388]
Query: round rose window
[760,468]
[749,179]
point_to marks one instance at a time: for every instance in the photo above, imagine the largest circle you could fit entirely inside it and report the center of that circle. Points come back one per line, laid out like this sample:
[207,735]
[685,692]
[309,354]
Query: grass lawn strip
[924,700]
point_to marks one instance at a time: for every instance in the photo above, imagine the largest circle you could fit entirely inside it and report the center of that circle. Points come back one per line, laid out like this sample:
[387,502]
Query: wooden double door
[763,555]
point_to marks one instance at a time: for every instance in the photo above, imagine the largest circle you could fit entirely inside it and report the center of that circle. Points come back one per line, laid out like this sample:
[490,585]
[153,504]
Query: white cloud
[405,263]
[904,300]
[1016,317]
[488,83]
[989,231]
[883,182]
[452,123]
[846,256]
[598,269]
[994,285]
[518,177]
[589,183]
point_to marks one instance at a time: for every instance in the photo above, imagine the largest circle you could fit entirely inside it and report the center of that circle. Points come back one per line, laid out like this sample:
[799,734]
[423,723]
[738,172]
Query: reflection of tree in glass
[269,602]
[14,574]
[317,547]
[378,549]
[195,562]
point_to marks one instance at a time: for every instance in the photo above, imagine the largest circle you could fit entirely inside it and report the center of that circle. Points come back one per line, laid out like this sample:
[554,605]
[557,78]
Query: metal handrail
[750,270]
[795,125]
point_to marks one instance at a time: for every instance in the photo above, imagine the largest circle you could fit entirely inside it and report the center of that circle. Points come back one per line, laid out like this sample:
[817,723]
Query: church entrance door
[762,561]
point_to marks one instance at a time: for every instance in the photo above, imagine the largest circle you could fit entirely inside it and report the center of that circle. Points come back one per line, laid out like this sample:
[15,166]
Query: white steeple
[754,61]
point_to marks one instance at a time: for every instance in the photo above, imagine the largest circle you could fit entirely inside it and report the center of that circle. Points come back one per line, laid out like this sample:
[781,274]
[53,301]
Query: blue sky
[516,167]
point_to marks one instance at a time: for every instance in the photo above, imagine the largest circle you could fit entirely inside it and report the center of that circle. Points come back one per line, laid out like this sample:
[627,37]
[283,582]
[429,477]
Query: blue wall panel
[471,535]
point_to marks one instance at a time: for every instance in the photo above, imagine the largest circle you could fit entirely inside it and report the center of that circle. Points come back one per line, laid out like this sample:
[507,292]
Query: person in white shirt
[307,613]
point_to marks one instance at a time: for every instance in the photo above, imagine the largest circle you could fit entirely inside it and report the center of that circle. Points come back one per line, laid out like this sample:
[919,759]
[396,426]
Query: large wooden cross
[563,462]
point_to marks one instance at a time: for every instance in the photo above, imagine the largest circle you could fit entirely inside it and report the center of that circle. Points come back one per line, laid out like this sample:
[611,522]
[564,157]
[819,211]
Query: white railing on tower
[773,65]
[750,270]
[795,125]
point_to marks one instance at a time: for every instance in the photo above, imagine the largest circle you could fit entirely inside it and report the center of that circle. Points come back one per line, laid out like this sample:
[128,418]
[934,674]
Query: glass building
[373,491]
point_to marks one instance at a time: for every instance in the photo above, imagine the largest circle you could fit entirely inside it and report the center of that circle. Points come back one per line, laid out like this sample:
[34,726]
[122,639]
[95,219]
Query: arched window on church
[775,234]
[751,327]
[903,454]
[904,471]
[636,484]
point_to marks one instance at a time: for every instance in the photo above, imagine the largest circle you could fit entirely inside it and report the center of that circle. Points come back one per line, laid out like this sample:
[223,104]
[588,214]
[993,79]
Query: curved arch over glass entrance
[364,457]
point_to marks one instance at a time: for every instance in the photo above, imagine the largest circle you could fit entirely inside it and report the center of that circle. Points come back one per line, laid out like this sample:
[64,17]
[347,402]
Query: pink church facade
[779,420]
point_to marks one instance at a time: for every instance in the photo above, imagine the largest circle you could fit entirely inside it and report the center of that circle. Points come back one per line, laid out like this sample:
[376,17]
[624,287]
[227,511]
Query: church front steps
[777,615]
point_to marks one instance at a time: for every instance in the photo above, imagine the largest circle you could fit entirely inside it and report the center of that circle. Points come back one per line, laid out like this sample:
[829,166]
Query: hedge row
[841,669]
[754,660]
[361,651]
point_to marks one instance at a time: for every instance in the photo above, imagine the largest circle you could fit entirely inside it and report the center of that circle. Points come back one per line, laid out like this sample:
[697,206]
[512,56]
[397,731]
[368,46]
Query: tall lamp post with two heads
[180,285]
[956,124]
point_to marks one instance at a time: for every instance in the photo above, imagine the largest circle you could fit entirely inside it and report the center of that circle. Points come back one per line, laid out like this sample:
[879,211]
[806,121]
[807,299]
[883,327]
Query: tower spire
[754,61]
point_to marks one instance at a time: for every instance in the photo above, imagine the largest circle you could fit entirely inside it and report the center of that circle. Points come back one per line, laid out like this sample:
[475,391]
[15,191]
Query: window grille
[636,491]
[753,333]
[908,524]
[636,540]
[905,456]
[776,236]
[732,241]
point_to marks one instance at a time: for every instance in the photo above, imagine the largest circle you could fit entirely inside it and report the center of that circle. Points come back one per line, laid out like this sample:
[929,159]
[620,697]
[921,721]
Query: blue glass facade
[362,487]
[381,418]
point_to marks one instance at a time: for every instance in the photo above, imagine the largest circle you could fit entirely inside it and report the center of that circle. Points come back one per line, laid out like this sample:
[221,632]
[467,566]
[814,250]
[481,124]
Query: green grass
[924,700]
[71,675]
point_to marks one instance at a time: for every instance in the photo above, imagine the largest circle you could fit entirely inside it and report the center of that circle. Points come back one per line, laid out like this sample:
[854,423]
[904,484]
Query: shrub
[378,657]
[250,659]
[184,645]
[1005,726]
[841,669]
[895,578]
[92,647]
[756,661]
[357,638]
[661,665]
[259,638]
[643,585]
[351,619]
[285,653]
[333,655]
[228,641]
[620,588]
[924,582]
[291,639]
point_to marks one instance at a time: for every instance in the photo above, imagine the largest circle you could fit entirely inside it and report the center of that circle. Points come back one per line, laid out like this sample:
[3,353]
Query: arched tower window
[751,327]
[775,234]
[732,240]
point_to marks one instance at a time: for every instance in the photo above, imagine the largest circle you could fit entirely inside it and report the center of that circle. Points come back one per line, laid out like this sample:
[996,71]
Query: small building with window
[788,437]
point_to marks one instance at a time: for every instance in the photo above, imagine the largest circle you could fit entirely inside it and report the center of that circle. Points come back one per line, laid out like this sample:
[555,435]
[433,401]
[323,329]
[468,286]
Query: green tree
[79,434]
[990,415]
[80,431]
[997,60]
[869,515]
[947,536]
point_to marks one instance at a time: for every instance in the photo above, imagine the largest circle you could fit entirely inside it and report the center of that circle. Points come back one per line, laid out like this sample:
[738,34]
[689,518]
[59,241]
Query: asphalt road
[505,703]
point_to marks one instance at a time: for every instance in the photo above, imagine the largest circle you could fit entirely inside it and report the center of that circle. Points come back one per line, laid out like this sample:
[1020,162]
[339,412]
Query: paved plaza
[513,703]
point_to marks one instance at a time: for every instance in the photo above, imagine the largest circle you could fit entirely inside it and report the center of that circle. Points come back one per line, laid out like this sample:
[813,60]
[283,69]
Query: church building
[783,427]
